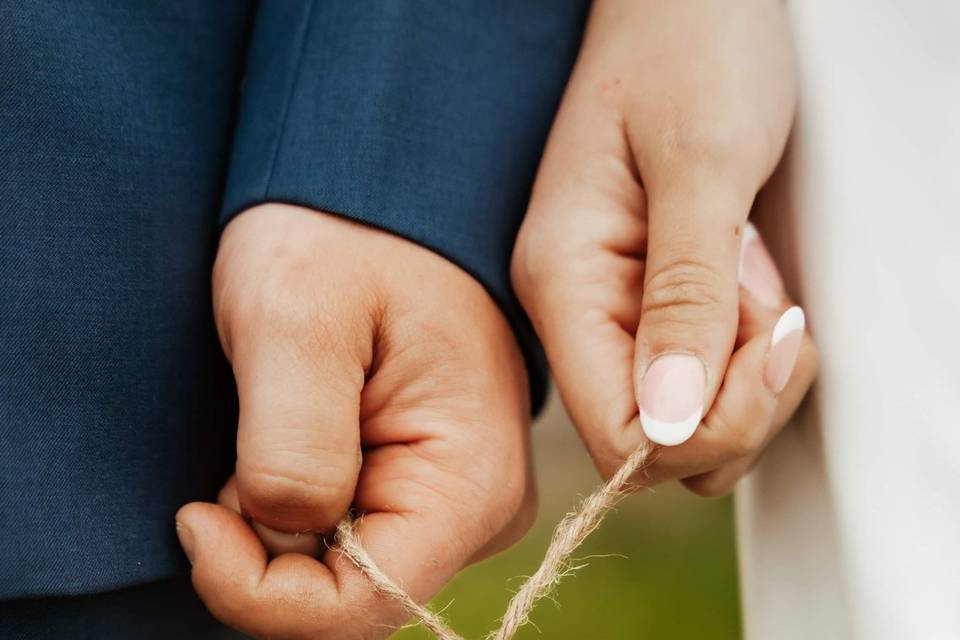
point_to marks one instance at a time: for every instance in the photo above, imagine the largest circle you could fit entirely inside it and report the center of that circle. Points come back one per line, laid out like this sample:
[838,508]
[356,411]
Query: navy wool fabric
[165,610]
[130,133]
[423,118]
[115,122]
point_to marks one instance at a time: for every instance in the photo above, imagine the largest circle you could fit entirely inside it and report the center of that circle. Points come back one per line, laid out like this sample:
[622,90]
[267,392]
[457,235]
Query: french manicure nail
[186,540]
[784,349]
[757,272]
[671,398]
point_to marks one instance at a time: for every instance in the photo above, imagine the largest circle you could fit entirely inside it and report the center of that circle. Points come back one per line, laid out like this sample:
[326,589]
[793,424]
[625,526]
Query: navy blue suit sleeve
[424,118]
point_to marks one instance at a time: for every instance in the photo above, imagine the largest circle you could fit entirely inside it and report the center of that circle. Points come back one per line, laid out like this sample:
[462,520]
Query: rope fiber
[570,533]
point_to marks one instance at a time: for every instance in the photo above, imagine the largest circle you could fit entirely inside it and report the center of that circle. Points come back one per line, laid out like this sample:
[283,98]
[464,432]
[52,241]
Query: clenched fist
[372,375]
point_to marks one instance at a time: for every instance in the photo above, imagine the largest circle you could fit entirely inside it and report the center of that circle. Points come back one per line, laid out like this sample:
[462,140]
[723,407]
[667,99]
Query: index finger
[297,596]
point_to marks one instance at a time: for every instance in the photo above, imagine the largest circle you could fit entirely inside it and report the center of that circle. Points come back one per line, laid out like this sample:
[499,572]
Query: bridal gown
[849,526]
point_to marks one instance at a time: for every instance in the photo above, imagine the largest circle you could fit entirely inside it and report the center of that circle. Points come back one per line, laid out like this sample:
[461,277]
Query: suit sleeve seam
[291,91]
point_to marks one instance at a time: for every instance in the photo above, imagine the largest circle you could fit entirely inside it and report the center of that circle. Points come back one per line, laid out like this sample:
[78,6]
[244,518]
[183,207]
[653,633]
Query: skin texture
[358,389]
[675,116]
[372,374]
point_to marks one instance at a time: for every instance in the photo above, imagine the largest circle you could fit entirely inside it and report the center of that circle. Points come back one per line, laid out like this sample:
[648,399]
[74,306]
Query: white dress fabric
[849,526]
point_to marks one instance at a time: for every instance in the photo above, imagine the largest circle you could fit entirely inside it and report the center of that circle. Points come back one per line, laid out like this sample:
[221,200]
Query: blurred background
[662,566]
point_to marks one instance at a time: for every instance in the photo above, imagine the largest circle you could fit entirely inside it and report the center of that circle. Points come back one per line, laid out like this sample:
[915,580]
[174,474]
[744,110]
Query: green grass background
[662,566]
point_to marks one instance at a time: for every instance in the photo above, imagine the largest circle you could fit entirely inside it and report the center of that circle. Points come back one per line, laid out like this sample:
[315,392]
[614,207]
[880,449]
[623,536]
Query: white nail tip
[749,234]
[670,433]
[792,320]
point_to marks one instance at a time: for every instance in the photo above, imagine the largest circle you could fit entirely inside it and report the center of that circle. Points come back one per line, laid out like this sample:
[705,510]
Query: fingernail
[757,272]
[186,540]
[671,398]
[784,349]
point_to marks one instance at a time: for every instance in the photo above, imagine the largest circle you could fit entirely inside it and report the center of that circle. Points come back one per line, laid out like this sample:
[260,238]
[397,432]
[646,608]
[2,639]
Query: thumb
[688,319]
[299,371]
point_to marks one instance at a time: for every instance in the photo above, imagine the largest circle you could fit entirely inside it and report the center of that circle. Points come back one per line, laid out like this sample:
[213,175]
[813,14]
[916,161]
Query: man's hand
[372,374]
[676,114]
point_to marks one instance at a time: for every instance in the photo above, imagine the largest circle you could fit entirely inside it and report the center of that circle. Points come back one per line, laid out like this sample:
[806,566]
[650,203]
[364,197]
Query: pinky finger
[789,369]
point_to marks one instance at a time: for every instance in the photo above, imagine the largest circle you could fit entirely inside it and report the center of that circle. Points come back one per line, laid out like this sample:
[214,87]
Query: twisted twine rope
[569,534]
[350,546]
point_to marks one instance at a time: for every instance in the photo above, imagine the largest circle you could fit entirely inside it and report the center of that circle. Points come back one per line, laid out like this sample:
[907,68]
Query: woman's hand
[676,114]
[372,374]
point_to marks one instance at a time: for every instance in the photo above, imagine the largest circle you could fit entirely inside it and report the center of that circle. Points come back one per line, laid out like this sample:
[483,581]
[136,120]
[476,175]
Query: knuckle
[545,259]
[685,291]
[740,437]
[528,264]
[608,459]
[746,439]
[280,296]
[610,448]
[270,494]
[709,485]
[276,299]
[706,140]
[734,150]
